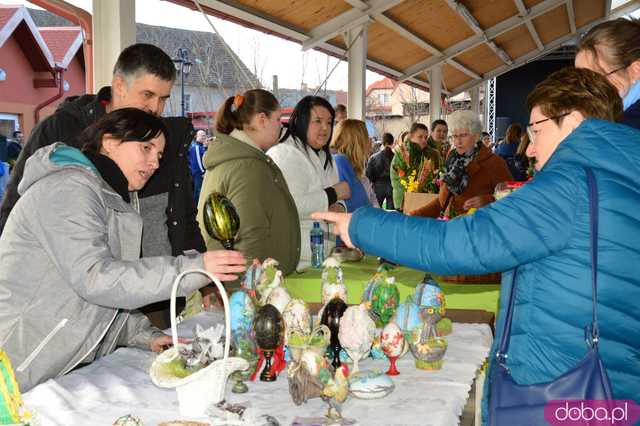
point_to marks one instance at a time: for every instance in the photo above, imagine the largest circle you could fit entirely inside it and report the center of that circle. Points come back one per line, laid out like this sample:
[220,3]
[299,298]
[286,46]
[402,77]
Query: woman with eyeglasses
[308,166]
[247,126]
[612,49]
[544,230]
[472,171]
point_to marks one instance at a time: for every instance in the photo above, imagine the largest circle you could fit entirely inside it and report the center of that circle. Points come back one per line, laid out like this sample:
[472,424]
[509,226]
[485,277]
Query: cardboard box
[414,200]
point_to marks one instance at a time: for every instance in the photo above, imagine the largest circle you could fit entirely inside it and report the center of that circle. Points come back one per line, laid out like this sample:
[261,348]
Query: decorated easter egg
[356,329]
[242,312]
[407,317]
[429,296]
[382,297]
[296,316]
[332,281]
[392,340]
[279,297]
[269,327]
[331,316]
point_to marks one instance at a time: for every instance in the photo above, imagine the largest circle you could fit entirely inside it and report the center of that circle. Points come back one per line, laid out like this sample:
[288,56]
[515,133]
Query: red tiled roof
[385,83]
[6,12]
[59,40]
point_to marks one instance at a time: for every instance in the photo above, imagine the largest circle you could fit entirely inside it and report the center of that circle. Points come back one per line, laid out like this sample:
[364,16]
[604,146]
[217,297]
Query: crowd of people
[103,209]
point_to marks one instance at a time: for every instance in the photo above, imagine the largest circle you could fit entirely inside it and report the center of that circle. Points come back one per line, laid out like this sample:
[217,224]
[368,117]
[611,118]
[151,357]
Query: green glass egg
[221,219]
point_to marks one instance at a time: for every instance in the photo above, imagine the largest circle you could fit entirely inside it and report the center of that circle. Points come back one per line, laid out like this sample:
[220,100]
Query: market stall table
[119,384]
[307,286]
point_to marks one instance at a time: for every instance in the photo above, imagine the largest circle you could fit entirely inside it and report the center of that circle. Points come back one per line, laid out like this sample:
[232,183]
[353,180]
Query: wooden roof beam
[468,17]
[350,19]
[476,40]
[572,17]
[620,11]
[393,25]
[532,30]
[264,23]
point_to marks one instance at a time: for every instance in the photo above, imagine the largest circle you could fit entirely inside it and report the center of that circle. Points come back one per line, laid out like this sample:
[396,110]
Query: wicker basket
[205,387]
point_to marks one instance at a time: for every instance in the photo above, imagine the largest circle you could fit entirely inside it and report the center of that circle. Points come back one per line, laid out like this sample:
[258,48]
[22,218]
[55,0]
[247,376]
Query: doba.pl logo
[592,413]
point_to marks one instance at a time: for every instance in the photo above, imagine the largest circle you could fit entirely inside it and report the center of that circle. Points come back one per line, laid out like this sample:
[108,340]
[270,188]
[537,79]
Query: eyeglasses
[616,70]
[530,125]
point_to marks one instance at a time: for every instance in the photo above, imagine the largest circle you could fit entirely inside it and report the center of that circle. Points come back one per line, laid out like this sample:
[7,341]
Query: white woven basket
[205,387]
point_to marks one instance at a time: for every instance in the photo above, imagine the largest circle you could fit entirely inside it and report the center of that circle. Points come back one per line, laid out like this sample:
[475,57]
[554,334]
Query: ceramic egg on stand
[296,317]
[242,312]
[356,333]
[392,345]
[428,294]
[332,281]
[382,298]
[427,348]
[331,317]
[269,332]
[408,318]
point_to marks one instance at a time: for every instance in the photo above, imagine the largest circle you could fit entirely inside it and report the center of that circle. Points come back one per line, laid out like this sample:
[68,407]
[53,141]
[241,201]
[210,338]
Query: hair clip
[237,102]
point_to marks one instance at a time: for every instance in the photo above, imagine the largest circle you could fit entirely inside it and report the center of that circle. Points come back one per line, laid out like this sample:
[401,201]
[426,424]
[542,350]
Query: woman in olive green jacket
[237,167]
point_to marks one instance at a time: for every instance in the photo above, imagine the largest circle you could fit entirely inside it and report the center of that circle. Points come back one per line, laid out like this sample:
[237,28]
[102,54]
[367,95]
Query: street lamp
[183,67]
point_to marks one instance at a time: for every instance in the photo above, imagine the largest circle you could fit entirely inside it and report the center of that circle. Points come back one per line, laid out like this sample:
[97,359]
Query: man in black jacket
[378,172]
[142,78]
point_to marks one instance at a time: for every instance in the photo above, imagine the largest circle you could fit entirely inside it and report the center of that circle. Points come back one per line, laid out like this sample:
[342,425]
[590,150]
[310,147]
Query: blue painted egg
[407,316]
[242,312]
[429,295]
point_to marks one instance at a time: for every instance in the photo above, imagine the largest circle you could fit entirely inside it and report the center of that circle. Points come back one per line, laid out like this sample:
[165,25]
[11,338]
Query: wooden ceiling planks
[403,53]
[452,77]
[433,20]
[490,12]
[480,59]
[516,42]
[553,24]
[302,14]
[587,11]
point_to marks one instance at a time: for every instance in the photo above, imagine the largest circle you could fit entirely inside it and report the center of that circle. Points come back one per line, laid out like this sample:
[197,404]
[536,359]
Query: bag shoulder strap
[592,185]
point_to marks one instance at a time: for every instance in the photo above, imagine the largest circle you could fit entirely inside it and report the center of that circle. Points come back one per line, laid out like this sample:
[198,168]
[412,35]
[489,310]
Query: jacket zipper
[25,364]
[92,347]
[115,341]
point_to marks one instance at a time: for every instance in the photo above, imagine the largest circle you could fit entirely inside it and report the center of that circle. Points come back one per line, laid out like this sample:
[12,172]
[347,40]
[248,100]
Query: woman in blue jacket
[543,229]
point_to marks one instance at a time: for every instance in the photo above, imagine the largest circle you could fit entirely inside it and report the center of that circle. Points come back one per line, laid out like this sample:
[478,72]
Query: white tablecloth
[119,384]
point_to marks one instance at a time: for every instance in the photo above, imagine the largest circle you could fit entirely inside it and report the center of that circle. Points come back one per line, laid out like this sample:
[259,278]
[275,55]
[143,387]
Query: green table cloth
[306,286]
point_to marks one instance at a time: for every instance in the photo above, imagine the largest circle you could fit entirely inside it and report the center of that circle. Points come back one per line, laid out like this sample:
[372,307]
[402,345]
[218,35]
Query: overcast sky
[274,55]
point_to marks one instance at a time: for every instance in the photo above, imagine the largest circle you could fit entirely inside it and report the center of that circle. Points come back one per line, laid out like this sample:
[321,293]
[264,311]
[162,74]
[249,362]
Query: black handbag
[511,403]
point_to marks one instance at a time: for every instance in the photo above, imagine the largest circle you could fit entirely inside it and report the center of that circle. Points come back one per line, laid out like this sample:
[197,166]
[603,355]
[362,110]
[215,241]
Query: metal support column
[490,108]
[357,39]
[435,93]
[114,28]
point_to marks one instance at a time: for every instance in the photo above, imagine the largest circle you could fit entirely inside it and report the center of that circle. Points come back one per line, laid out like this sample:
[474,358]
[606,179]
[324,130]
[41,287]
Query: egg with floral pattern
[392,340]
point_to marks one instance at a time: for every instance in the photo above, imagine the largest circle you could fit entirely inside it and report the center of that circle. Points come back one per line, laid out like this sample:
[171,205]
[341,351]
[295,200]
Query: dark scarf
[455,175]
[111,174]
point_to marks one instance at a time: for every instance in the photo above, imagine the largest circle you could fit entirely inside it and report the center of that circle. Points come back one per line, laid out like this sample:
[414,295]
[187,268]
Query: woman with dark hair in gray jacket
[71,276]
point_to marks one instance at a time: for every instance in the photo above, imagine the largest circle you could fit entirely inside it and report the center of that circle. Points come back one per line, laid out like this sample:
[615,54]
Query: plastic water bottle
[317,245]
